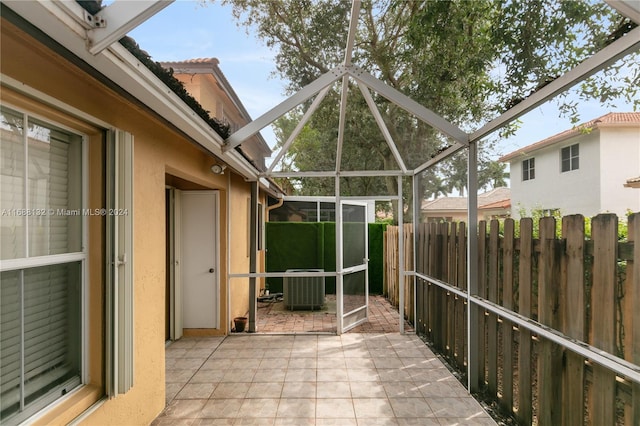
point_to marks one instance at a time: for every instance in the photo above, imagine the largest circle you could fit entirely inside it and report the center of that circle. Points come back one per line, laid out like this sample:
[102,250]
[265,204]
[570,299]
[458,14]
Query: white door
[355,257]
[199,266]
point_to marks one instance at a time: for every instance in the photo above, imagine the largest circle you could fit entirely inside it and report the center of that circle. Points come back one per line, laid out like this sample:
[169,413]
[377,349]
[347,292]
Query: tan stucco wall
[158,151]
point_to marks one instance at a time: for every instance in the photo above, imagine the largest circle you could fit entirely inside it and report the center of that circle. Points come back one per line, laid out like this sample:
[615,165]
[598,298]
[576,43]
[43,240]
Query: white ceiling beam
[441,156]
[341,121]
[344,173]
[607,56]
[353,29]
[303,121]
[409,104]
[284,107]
[116,20]
[628,8]
[382,126]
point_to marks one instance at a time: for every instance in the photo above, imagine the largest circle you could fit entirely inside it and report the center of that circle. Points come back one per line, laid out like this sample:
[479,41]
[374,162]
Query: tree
[466,60]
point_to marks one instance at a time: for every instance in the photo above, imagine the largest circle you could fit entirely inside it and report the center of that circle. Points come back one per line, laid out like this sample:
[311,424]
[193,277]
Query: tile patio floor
[302,379]
[383,318]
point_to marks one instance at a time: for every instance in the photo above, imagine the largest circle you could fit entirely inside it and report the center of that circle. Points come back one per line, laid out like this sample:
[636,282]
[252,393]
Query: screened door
[355,276]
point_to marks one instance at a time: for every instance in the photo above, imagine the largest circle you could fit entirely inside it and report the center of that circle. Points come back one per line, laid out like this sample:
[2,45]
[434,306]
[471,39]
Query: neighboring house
[109,207]
[492,204]
[204,80]
[582,170]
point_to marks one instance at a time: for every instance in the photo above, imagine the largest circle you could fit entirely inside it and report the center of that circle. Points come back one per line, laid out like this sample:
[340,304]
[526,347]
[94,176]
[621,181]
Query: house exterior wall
[572,192]
[158,152]
[619,160]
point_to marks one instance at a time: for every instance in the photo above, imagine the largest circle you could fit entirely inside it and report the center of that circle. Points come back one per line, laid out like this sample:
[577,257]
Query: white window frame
[570,149]
[30,262]
[529,168]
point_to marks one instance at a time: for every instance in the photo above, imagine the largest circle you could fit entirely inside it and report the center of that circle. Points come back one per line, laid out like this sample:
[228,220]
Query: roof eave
[120,66]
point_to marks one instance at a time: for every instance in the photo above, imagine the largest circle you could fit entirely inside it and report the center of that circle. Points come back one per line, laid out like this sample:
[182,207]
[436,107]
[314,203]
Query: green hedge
[311,245]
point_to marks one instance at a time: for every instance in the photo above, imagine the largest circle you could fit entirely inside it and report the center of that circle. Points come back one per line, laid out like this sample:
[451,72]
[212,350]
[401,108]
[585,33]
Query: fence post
[524,308]
[572,307]
[550,354]
[631,312]
[604,231]
[452,299]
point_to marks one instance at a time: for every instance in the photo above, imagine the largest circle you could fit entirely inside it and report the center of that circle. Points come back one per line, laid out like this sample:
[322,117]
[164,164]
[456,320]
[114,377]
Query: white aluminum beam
[341,122]
[353,29]
[620,366]
[408,104]
[628,8]
[303,121]
[473,372]
[120,17]
[344,173]
[284,107]
[382,126]
[616,50]
[439,157]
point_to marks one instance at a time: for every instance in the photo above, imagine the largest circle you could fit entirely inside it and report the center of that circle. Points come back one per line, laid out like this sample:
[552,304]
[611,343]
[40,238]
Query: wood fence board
[492,319]
[525,412]
[452,300]
[549,358]
[572,307]
[482,292]
[461,312]
[603,302]
[507,326]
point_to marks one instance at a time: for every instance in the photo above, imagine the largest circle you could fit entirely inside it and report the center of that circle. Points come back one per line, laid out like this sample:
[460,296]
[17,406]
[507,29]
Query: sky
[189,29]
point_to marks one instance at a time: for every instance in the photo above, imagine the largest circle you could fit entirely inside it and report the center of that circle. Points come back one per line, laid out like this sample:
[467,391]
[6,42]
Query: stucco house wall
[58,90]
[609,154]
[619,160]
[575,191]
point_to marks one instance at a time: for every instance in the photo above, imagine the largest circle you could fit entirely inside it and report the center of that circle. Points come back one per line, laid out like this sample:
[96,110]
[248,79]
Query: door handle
[211,271]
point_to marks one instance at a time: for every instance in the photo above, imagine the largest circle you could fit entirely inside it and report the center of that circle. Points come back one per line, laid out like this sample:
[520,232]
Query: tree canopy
[468,61]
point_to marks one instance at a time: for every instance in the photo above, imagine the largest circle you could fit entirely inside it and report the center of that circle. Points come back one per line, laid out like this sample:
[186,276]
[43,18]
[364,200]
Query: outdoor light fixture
[218,169]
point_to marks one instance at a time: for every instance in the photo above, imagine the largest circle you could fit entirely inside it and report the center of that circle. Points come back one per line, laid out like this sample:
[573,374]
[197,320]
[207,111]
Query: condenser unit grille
[303,292]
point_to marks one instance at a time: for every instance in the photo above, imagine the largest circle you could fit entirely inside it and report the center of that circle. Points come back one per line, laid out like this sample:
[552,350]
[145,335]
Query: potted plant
[240,323]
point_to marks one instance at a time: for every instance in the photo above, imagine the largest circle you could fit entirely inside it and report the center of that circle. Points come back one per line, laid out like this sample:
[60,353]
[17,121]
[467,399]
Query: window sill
[67,409]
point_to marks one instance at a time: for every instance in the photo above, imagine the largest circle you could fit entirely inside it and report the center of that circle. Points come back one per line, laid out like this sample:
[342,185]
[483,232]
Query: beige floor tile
[264,390]
[179,375]
[302,362]
[432,421]
[300,375]
[333,408]
[372,408]
[411,407]
[456,407]
[261,421]
[481,421]
[298,408]
[222,408]
[259,408]
[402,390]
[238,375]
[196,391]
[363,375]
[207,376]
[299,390]
[350,421]
[380,421]
[270,375]
[332,374]
[295,421]
[333,390]
[230,390]
[185,408]
[367,390]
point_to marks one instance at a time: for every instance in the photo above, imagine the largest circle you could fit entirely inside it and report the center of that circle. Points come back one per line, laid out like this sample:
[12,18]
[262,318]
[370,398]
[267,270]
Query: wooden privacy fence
[585,289]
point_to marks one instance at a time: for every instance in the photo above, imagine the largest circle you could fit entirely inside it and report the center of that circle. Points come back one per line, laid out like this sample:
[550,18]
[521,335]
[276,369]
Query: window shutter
[120,262]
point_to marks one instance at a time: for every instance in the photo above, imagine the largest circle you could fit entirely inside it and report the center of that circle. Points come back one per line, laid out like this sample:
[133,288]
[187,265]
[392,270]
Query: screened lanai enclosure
[402,179]
[367,110]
